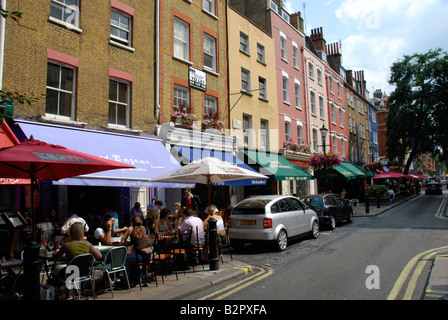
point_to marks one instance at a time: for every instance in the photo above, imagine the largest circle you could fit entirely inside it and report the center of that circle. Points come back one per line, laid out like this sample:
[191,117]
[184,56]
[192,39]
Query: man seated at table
[192,228]
[106,232]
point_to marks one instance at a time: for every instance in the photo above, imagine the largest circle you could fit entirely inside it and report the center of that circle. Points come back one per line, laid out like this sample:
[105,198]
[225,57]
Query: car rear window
[315,202]
[251,206]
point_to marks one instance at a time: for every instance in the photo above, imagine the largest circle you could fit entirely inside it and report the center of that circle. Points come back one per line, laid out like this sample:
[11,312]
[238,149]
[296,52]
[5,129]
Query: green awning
[274,164]
[367,173]
[355,169]
[343,171]
[338,172]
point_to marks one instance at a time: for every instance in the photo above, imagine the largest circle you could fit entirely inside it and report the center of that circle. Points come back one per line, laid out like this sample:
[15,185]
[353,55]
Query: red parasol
[37,160]
[389,175]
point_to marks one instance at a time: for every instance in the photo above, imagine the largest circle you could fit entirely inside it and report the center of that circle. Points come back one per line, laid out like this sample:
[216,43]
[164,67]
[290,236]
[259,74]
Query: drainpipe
[157,67]
[2,42]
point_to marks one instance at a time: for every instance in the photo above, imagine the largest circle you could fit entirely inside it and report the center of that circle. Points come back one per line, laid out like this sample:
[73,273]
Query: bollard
[213,257]
[367,205]
[31,271]
[378,201]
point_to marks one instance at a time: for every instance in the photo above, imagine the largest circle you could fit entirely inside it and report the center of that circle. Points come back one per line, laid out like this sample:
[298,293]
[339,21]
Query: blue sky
[376,33]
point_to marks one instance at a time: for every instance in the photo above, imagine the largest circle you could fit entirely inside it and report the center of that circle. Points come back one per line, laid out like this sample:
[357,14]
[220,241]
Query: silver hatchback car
[271,218]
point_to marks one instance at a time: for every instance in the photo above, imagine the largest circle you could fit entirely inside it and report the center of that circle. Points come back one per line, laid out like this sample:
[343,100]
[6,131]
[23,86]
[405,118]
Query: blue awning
[147,154]
[193,154]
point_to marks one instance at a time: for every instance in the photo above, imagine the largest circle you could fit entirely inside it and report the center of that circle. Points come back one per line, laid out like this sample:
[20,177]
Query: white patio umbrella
[208,171]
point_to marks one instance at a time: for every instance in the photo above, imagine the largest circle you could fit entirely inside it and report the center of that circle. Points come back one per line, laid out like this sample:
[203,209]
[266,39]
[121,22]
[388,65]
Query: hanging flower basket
[330,160]
[373,166]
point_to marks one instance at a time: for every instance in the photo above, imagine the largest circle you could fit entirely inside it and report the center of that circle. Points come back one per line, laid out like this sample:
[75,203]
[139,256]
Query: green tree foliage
[418,107]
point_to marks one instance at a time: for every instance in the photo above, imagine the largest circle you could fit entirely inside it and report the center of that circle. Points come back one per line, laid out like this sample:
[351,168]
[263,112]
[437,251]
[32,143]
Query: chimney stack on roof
[317,37]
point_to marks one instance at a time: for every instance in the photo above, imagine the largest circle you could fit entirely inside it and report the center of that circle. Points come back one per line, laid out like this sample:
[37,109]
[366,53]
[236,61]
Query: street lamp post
[323,132]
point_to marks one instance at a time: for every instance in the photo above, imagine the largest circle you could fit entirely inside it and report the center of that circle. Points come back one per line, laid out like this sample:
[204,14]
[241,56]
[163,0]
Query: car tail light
[324,210]
[267,223]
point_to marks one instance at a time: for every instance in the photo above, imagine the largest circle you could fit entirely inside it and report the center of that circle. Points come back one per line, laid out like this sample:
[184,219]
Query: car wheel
[282,240]
[314,234]
[332,223]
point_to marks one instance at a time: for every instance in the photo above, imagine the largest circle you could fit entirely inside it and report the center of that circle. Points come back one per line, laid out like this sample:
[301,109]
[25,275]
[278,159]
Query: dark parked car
[330,209]
[433,188]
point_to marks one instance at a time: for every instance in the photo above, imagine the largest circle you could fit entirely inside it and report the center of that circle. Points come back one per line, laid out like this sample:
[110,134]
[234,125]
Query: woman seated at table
[106,233]
[138,238]
[163,225]
[76,246]
[219,222]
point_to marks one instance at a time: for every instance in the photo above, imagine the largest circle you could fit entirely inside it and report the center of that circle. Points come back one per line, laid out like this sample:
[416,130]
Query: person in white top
[72,218]
[212,210]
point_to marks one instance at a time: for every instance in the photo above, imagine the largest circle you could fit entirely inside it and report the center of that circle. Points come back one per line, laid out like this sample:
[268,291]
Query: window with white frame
[298,95]
[343,147]
[262,90]
[120,27]
[285,89]
[331,84]
[341,118]
[209,6]
[313,102]
[181,96]
[209,52]
[181,39]
[335,144]
[295,55]
[299,133]
[333,114]
[66,11]
[245,80]
[261,53]
[339,90]
[119,106]
[264,134]
[211,105]
[288,130]
[283,50]
[60,96]
[244,42]
[247,130]
[321,107]
[315,140]
[319,76]
[311,70]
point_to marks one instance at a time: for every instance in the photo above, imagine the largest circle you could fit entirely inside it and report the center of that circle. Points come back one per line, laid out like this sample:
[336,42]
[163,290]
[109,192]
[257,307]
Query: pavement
[195,281]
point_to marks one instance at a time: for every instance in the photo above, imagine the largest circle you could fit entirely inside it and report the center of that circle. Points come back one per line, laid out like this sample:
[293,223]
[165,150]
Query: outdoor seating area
[121,268]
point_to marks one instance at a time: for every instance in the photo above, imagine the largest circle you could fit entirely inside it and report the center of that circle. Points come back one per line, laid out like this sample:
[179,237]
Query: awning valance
[277,165]
[193,154]
[147,154]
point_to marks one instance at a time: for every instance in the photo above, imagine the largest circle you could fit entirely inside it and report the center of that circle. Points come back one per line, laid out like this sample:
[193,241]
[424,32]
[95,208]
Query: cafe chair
[197,251]
[178,251]
[163,257]
[224,244]
[115,262]
[145,262]
[83,272]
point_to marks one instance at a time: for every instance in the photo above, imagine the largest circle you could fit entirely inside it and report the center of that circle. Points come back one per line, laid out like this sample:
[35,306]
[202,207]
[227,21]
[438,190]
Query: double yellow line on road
[442,208]
[419,262]
[230,289]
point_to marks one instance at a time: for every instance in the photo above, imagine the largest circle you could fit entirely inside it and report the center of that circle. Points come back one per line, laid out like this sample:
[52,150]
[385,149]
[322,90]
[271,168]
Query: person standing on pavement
[136,210]
[191,201]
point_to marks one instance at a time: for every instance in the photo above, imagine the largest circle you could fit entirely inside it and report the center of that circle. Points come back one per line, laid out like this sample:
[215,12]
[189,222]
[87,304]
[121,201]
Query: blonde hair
[77,231]
[211,210]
